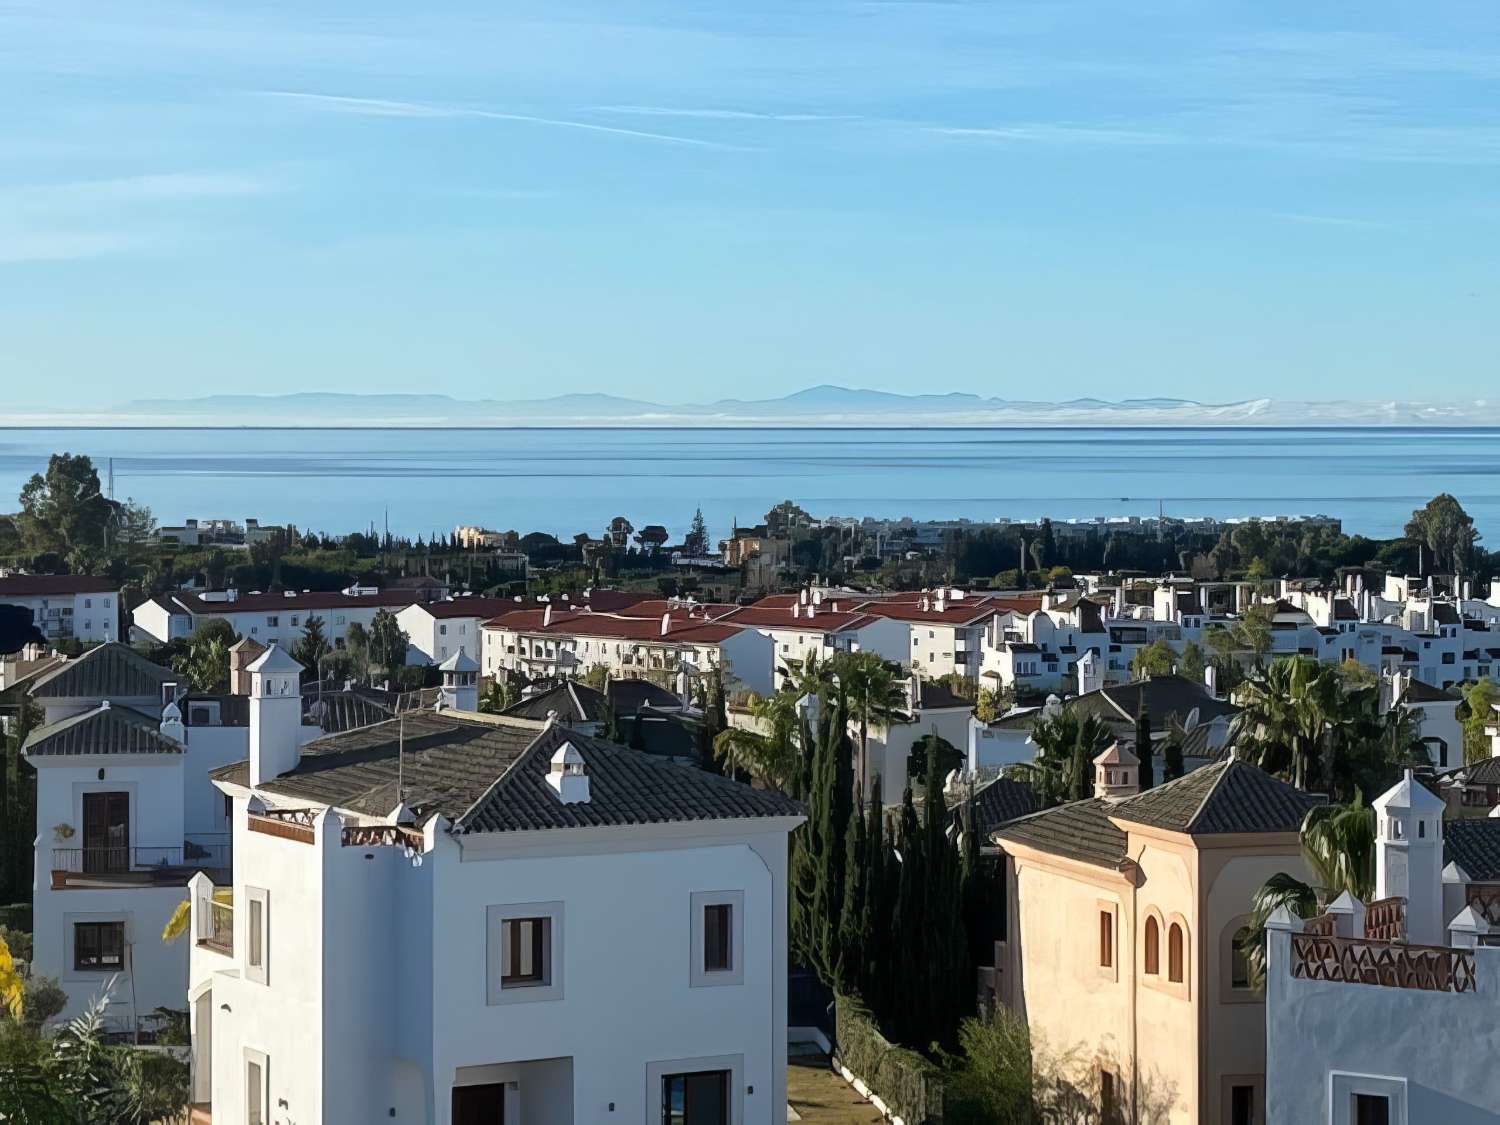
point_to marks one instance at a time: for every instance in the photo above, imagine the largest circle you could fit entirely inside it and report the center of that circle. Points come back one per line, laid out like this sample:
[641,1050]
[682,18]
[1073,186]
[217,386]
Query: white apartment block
[437,630]
[451,918]
[66,606]
[269,618]
[1373,1010]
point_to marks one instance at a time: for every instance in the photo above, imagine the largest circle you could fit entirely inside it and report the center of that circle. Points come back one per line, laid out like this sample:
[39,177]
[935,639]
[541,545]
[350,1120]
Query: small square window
[526,944]
[98,947]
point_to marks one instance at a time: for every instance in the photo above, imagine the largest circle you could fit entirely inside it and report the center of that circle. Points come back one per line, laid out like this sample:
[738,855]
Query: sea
[562,481]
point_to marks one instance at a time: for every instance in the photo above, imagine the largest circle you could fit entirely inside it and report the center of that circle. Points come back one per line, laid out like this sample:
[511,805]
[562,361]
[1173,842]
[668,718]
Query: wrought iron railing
[220,931]
[1486,900]
[200,852]
[1430,968]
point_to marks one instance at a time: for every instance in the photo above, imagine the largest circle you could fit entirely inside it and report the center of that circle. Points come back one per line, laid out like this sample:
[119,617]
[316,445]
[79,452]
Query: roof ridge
[1223,768]
[461,822]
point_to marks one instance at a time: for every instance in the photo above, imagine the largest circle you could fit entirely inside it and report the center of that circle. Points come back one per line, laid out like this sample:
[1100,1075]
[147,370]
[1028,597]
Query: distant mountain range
[824,405]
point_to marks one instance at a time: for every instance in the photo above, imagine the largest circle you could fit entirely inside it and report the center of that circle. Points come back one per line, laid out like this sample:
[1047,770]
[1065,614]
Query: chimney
[1409,856]
[242,654]
[547,615]
[275,715]
[171,724]
[1116,774]
[796,610]
[460,690]
[569,775]
[666,623]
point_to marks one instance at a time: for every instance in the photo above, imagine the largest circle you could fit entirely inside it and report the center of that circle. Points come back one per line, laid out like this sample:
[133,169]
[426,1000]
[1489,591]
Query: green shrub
[18,942]
[990,1083]
[45,998]
[16,916]
[908,1083]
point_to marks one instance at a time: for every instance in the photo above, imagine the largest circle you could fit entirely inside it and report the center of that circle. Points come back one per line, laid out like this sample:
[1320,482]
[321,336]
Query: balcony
[218,927]
[145,865]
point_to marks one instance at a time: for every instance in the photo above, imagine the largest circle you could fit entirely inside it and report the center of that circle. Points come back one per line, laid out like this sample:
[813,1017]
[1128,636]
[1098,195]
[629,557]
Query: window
[718,936]
[718,943]
[257,934]
[1239,965]
[1371,1109]
[272,622]
[695,1099]
[1106,939]
[524,952]
[442,630]
[526,942]
[294,619]
[257,1088]
[1153,947]
[98,947]
[1174,954]
[88,603]
[1109,1098]
[1242,1105]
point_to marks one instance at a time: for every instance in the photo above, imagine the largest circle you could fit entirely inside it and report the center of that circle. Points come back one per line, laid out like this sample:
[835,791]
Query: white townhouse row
[451,918]
[656,637]
[1375,1011]
[66,606]
[440,628]
[268,619]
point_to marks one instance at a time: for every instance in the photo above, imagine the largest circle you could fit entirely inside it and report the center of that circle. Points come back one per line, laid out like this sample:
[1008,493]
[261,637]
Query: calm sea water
[567,480]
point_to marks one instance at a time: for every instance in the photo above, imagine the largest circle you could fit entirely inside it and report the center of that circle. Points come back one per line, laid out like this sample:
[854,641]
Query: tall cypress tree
[1143,749]
[821,862]
[904,997]
[875,924]
[851,937]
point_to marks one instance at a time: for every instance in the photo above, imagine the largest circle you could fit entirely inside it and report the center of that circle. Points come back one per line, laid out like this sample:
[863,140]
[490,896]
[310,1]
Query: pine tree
[1143,749]
[695,543]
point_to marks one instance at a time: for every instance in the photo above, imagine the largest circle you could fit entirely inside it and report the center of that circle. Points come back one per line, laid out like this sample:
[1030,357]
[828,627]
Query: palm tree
[1338,846]
[773,755]
[874,689]
[1066,747]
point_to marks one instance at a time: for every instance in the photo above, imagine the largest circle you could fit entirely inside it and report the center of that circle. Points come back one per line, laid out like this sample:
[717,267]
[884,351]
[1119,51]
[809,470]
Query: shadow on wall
[1081,1087]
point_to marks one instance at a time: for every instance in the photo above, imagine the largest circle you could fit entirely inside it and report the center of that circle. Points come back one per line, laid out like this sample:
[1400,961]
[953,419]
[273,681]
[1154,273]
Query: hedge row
[909,1084]
[16,916]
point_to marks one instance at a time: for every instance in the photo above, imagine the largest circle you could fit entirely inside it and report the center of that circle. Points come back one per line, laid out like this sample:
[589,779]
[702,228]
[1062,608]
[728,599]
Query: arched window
[1174,954]
[1153,947]
[1239,967]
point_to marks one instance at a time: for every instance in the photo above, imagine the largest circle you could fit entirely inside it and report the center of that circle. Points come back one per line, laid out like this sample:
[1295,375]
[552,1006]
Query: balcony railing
[219,933]
[1430,968]
[1486,900]
[144,862]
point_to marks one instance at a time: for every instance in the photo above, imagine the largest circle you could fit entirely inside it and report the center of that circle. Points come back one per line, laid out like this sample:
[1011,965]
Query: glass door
[700,1098]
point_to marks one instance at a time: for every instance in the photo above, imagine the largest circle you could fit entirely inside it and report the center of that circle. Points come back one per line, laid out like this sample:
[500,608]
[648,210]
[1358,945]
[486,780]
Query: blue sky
[693,200]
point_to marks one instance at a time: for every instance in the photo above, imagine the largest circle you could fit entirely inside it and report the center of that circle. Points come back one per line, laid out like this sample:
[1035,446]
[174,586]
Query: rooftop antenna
[401,759]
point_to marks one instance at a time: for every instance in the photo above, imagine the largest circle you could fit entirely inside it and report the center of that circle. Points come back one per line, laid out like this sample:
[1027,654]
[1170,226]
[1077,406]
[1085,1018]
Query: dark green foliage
[311,647]
[388,642]
[991,1083]
[1144,751]
[948,756]
[818,877]
[907,1082]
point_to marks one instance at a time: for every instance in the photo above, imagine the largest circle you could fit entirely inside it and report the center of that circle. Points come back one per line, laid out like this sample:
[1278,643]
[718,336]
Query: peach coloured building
[1122,917]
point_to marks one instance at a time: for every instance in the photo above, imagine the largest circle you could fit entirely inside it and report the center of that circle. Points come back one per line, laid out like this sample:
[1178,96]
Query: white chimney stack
[666,623]
[1409,856]
[171,724]
[547,615]
[275,715]
[569,775]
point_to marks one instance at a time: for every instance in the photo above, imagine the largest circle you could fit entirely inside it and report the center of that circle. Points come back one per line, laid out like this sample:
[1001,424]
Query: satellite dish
[1192,721]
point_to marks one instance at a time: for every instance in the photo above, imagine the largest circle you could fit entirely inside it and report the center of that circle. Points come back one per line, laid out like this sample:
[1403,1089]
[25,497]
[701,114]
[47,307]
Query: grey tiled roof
[572,701]
[1081,830]
[104,730]
[1228,796]
[1162,696]
[1486,771]
[1474,844]
[1004,800]
[626,696]
[110,671]
[489,775]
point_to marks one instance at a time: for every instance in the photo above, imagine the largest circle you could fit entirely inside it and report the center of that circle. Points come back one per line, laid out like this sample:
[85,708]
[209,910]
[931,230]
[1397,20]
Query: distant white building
[1373,1010]
[66,606]
[270,618]
[451,918]
[437,630]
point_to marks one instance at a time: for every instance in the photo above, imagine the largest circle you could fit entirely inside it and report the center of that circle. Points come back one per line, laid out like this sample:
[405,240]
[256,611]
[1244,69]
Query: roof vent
[569,775]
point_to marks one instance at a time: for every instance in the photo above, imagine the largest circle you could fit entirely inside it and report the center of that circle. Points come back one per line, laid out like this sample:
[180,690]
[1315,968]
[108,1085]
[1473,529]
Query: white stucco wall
[1439,1045]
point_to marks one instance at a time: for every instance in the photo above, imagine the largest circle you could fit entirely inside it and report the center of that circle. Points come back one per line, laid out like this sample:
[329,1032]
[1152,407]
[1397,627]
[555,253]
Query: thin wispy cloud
[30,246]
[1042,133]
[1330,220]
[721,114]
[381,107]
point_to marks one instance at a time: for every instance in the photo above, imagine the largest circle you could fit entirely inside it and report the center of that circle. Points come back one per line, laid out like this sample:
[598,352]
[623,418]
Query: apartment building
[451,918]
[66,607]
[270,618]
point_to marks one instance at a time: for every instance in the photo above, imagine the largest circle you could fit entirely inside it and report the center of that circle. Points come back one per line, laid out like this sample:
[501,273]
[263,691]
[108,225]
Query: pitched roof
[41,585]
[105,730]
[628,696]
[450,608]
[572,702]
[1228,796]
[934,695]
[110,671]
[1474,844]
[1001,801]
[489,775]
[291,601]
[1420,692]
[1162,696]
[1081,830]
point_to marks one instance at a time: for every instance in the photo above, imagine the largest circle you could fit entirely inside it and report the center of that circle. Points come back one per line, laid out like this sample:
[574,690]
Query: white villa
[437,630]
[450,918]
[1381,1013]
[66,606]
[270,618]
